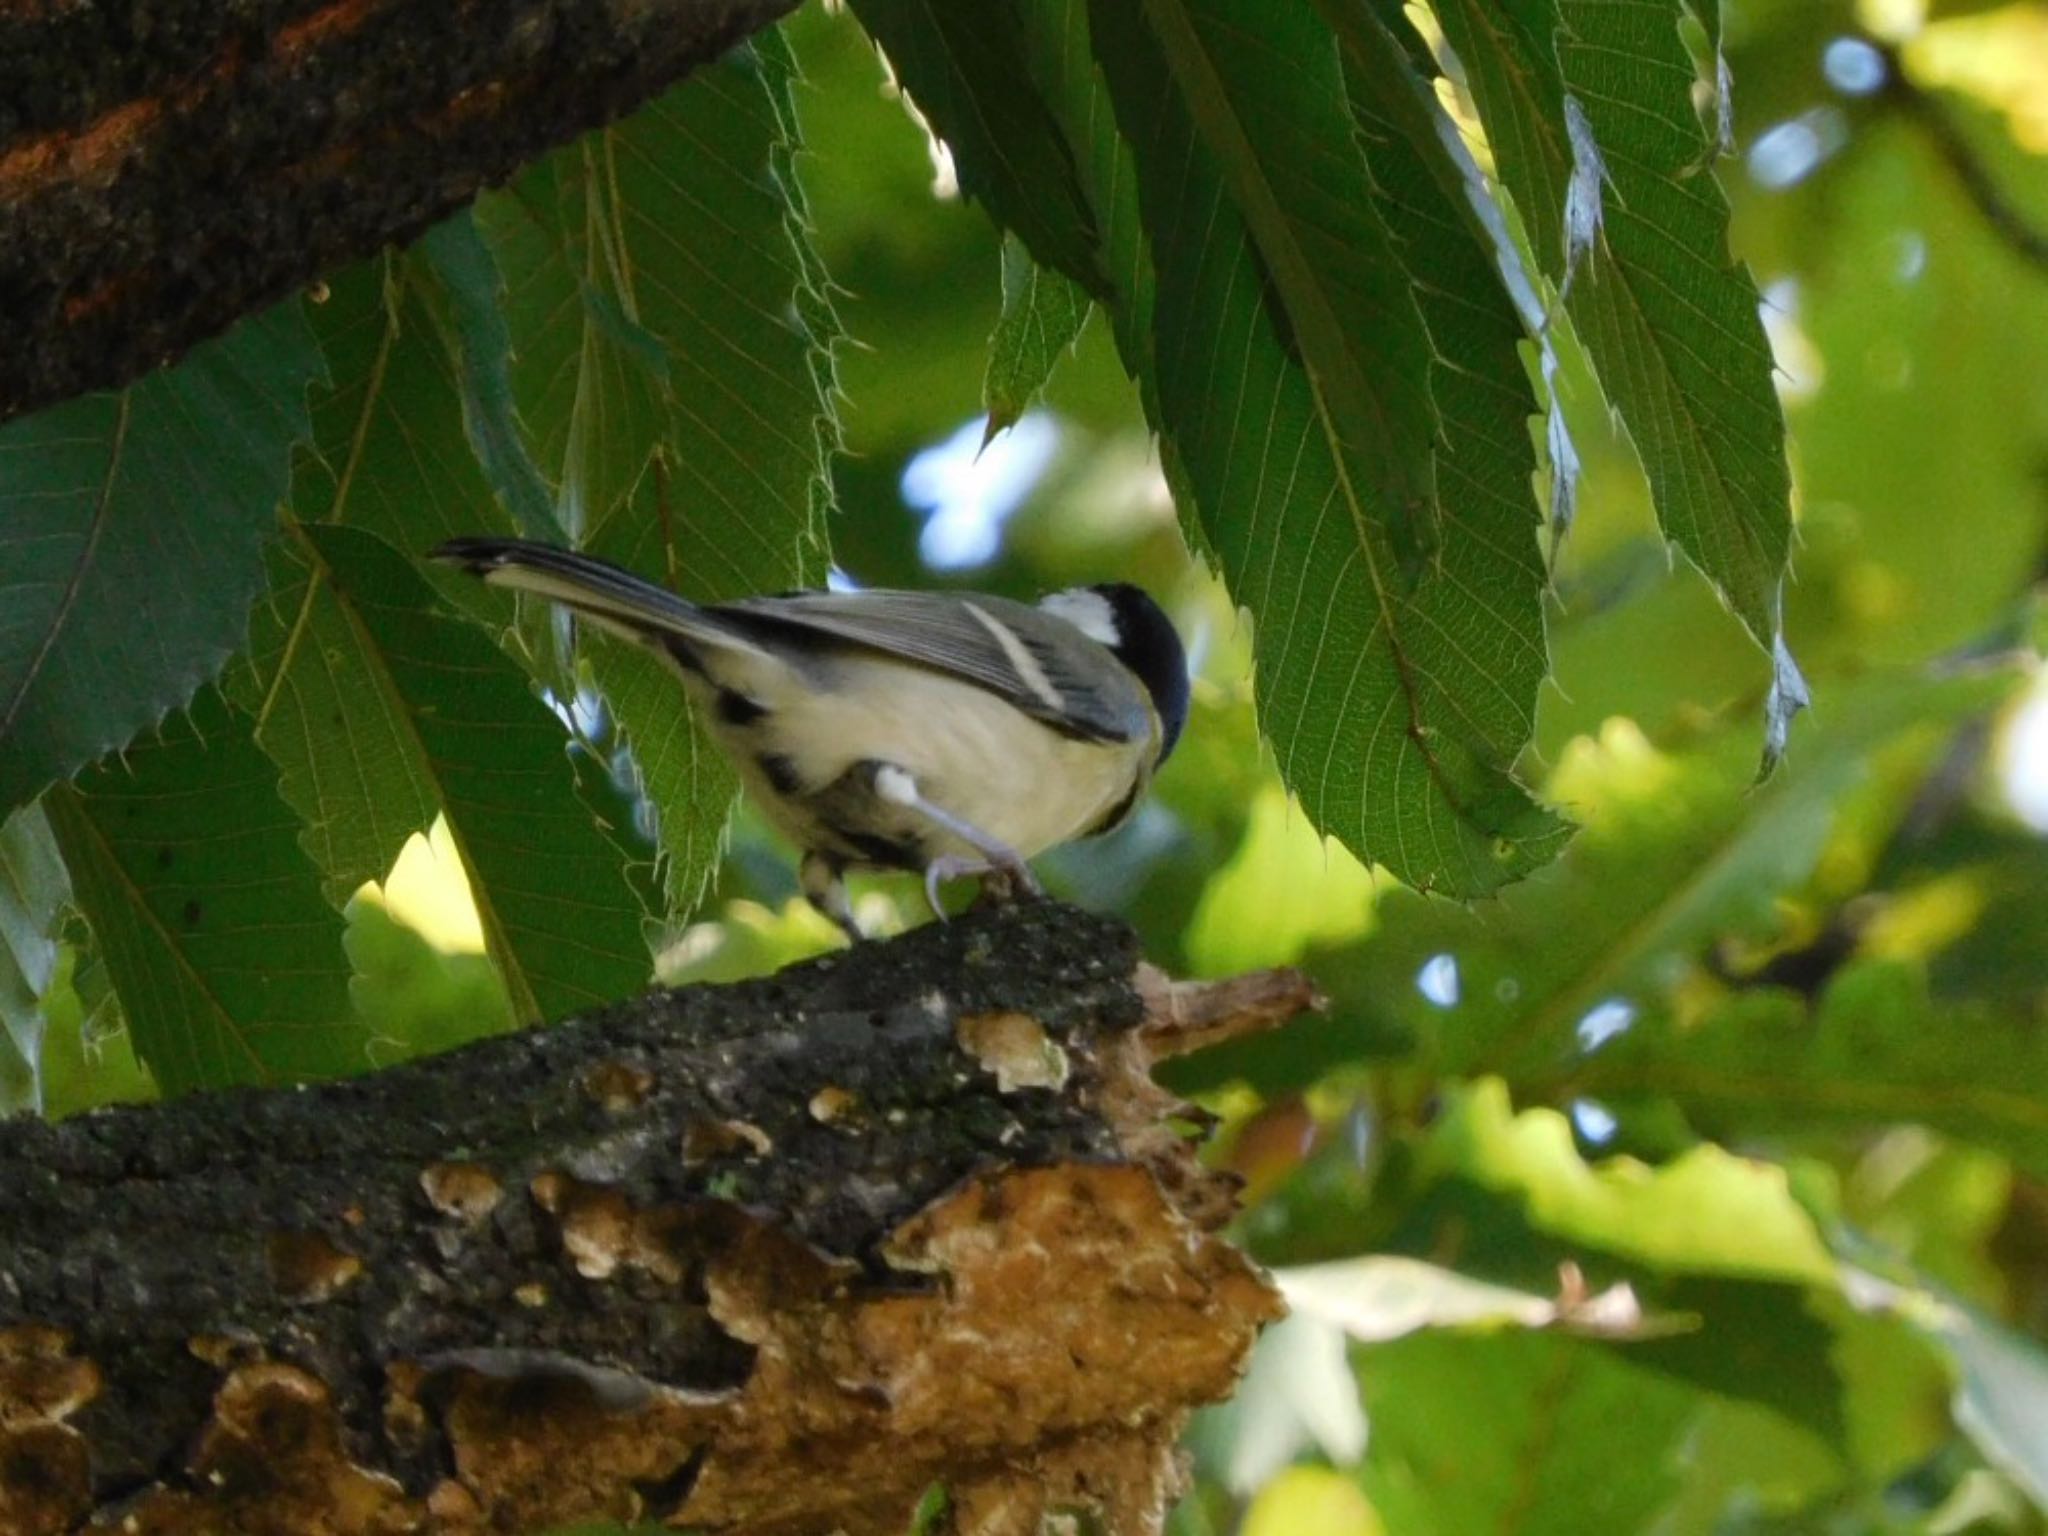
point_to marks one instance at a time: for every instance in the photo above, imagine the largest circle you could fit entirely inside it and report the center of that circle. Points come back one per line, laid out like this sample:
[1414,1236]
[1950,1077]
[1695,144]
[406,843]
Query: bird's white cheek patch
[1087,611]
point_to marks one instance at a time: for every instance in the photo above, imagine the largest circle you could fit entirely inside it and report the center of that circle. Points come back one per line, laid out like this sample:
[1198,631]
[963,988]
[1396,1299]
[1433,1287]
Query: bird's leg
[899,788]
[823,879]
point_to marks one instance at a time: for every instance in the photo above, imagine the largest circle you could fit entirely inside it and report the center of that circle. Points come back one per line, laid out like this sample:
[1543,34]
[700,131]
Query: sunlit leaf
[1042,314]
[1311,1501]
[458,721]
[419,999]
[88,1053]
[187,863]
[132,528]
[1386,1296]
[1283,890]
[1298,1394]
[1705,1212]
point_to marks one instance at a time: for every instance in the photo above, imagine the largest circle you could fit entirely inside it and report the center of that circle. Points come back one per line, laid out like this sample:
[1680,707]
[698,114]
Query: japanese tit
[944,733]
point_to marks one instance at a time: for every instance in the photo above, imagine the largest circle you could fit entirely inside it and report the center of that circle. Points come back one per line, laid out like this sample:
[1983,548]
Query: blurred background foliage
[1698,1184]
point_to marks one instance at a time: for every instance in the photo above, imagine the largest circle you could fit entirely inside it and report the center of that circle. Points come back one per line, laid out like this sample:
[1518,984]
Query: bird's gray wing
[1039,663]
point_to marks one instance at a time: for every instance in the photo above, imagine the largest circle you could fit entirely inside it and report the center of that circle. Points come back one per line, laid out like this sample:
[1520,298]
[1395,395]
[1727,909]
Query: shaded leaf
[1483,459]
[1059,49]
[482,345]
[186,862]
[391,452]
[673,365]
[348,760]
[390,455]
[132,528]
[1043,313]
[1373,703]
[458,720]
[1262,82]
[960,67]
[1588,105]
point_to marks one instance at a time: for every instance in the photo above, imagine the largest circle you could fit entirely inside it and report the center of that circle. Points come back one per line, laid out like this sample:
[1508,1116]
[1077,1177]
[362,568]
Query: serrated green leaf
[33,891]
[347,759]
[1482,463]
[132,528]
[390,449]
[674,368]
[457,718]
[1043,313]
[186,862]
[1589,107]
[1263,83]
[1366,687]
[1060,54]
[1875,1050]
[960,67]
[1574,1440]
[390,455]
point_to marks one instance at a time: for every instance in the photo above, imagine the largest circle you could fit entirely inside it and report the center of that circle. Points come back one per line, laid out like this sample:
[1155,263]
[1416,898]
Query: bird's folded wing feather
[1037,662]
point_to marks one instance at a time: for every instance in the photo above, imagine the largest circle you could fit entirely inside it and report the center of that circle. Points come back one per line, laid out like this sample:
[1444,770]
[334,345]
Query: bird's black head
[1148,644]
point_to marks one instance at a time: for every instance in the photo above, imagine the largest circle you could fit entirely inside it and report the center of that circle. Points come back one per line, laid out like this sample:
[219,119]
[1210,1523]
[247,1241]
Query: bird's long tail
[596,589]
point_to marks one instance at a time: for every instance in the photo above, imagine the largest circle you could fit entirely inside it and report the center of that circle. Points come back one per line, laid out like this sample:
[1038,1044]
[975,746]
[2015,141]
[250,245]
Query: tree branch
[768,1258]
[167,166]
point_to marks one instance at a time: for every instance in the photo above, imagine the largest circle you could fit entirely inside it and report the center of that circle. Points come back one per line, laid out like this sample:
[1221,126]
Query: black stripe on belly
[780,773]
[736,709]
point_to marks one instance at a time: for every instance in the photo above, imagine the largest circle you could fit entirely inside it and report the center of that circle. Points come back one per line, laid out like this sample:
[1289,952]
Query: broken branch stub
[770,1258]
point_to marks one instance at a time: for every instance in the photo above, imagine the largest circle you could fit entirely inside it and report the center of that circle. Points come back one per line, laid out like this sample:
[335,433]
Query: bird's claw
[1003,881]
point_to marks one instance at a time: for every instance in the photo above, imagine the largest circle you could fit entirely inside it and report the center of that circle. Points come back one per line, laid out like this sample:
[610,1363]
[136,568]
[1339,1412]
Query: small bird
[951,734]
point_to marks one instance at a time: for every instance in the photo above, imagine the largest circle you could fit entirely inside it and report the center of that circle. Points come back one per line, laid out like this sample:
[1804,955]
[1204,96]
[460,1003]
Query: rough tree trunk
[769,1258]
[167,166]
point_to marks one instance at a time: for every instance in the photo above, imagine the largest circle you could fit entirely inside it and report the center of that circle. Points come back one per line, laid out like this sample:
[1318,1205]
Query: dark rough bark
[764,1258]
[167,166]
